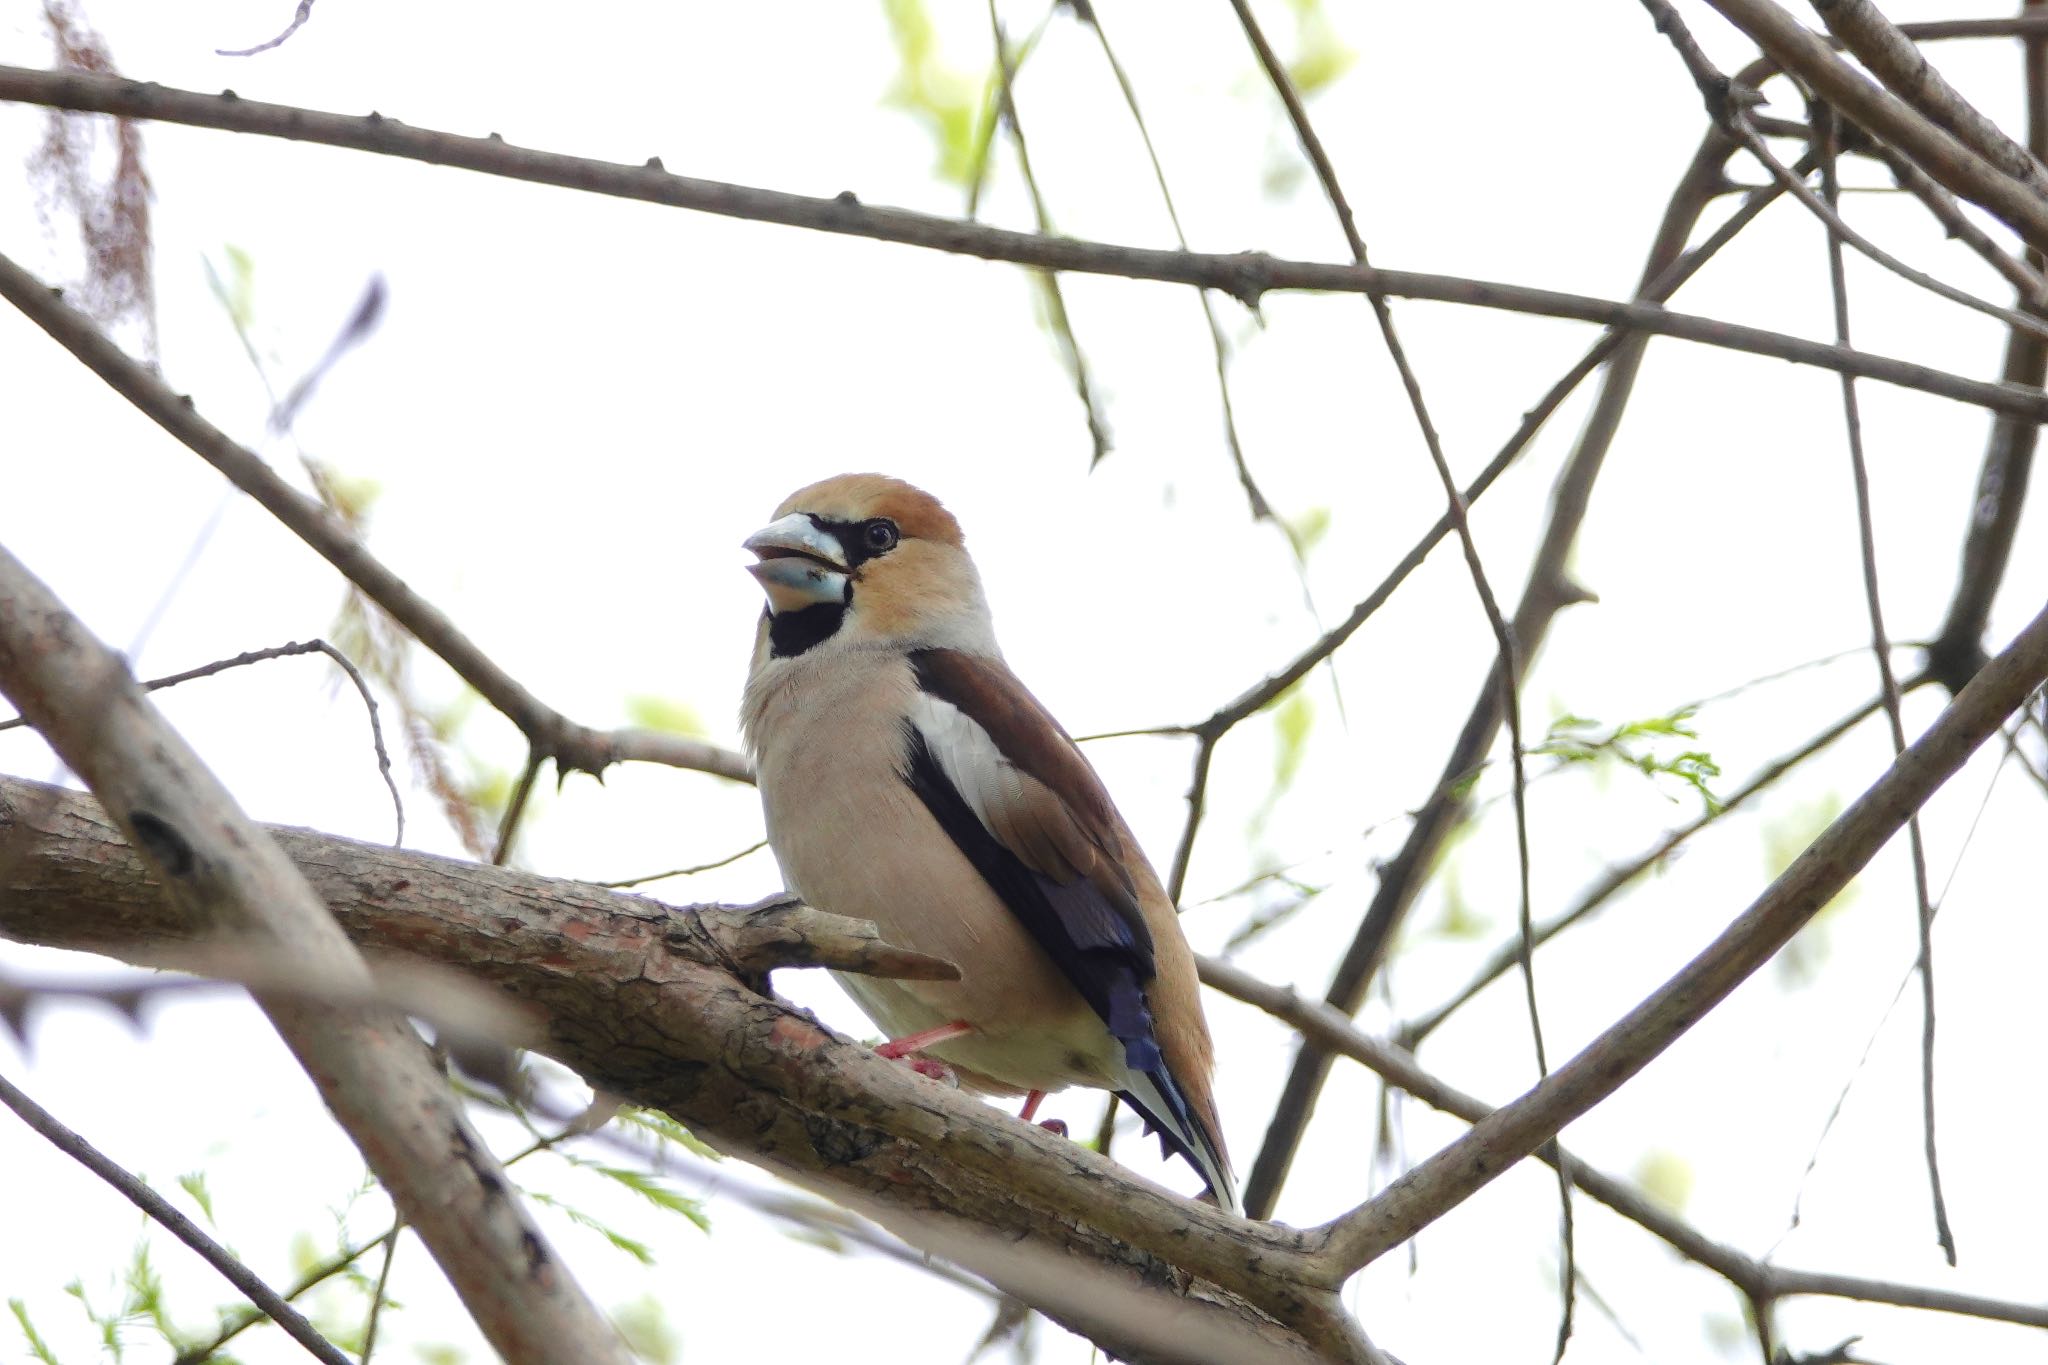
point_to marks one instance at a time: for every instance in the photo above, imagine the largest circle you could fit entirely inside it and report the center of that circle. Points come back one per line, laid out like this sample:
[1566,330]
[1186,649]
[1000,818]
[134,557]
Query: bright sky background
[577,407]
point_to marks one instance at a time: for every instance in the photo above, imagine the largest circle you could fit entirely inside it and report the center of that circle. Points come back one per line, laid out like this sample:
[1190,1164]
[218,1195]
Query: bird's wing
[1017,797]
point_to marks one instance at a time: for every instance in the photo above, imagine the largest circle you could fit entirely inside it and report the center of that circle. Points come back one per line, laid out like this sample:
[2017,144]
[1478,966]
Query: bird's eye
[881,535]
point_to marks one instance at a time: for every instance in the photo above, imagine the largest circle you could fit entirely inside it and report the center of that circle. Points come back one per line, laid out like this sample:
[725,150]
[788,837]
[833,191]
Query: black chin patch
[790,633]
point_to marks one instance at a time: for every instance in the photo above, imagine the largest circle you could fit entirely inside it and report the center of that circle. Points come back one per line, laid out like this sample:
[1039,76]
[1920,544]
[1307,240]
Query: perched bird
[911,780]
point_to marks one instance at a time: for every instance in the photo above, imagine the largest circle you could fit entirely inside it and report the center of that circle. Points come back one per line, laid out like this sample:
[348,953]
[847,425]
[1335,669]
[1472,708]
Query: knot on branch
[1729,100]
[573,748]
[1250,276]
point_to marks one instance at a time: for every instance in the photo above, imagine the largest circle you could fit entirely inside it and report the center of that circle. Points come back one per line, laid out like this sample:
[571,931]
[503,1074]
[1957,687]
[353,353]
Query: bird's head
[864,560]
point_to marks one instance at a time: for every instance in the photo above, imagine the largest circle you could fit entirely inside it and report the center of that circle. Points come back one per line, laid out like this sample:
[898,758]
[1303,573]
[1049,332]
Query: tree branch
[1411,1034]
[654,1004]
[1891,56]
[1246,276]
[1547,592]
[1519,1128]
[177,1224]
[1511,664]
[225,878]
[573,747]
[1800,52]
[1958,651]
[1399,1068]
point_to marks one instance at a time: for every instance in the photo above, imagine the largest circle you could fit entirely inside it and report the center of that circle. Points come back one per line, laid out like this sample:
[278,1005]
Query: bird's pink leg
[924,1038]
[908,1047]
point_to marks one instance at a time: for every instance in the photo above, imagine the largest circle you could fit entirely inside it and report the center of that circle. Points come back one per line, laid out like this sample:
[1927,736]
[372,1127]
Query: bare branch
[294,647]
[1731,99]
[651,1004]
[1061,323]
[1547,592]
[369,1066]
[299,18]
[1508,671]
[1827,865]
[573,747]
[1399,1068]
[173,1222]
[1881,651]
[1890,55]
[1800,52]
[2008,456]
[1245,276]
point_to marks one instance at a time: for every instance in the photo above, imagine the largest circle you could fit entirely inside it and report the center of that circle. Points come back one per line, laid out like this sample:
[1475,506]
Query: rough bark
[653,1003]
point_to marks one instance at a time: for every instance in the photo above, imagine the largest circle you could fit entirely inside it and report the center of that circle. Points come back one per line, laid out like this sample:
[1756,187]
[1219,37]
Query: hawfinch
[911,780]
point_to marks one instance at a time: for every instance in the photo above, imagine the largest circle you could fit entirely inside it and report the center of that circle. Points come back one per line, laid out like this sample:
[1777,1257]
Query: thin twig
[515,809]
[572,747]
[1055,298]
[1197,798]
[1730,100]
[1888,53]
[1261,509]
[1880,648]
[221,872]
[2028,281]
[727,860]
[377,1294]
[2002,479]
[256,656]
[1870,1043]
[1548,591]
[1509,671]
[1219,345]
[299,18]
[173,1222]
[1801,53]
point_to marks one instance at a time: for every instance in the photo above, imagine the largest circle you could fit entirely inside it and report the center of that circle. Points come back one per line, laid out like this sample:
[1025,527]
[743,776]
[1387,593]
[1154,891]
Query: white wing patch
[990,784]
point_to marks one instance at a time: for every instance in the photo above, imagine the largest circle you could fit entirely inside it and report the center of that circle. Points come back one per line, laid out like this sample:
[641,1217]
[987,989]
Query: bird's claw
[935,1069]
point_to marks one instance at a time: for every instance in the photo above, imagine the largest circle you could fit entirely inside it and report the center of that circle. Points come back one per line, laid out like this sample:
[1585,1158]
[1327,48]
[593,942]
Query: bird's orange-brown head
[865,558]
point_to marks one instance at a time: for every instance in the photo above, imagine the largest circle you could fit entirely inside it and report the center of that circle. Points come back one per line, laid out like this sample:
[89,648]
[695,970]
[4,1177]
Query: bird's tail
[1166,1112]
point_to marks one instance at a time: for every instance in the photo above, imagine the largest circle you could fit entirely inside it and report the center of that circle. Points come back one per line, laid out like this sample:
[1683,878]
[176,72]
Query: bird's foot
[924,1038]
[935,1069]
[910,1050]
[1057,1127]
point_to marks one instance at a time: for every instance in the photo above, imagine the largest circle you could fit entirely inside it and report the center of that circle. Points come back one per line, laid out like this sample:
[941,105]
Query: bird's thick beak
[800,565]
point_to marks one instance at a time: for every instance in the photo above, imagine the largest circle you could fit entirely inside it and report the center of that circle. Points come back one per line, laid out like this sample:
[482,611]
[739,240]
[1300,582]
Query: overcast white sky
[577,407]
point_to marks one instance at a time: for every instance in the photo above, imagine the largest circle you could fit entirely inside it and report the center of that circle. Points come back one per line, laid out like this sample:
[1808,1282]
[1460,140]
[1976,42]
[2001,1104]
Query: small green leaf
[194,1184]
[1309,528]
[823,1238]
[645,1326]
[1291,725]
[648,1187]
[1798,963]
[633,1247]
[1320,56]
[39,1348]
[668,1130]
[946,101]
[1666,1177]
[660,713]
